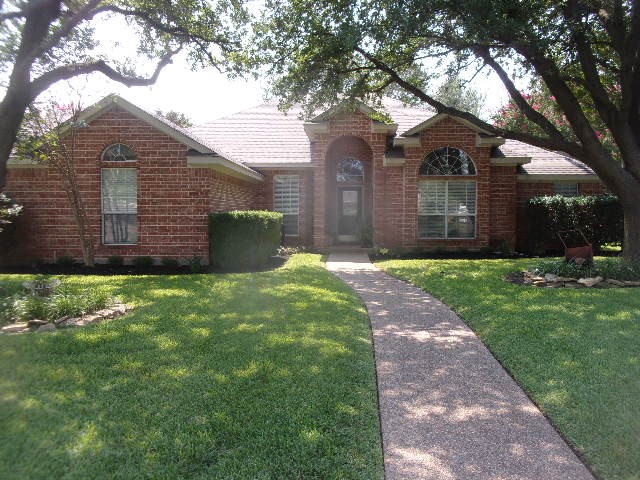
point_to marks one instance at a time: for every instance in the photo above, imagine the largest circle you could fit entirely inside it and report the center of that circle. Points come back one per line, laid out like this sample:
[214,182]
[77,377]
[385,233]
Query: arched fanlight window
[350,170]
[447,161]
[118,152]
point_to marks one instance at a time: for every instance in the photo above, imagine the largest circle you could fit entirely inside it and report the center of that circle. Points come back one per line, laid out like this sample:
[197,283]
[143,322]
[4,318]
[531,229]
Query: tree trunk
[631,245]
[12,111]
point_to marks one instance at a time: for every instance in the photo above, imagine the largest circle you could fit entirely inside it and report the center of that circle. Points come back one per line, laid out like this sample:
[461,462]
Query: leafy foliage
[10,211]
[178,118]
[616,268]
[455,93]
[244,239]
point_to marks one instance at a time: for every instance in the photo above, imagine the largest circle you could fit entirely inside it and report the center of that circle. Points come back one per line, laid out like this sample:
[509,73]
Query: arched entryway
[349,194]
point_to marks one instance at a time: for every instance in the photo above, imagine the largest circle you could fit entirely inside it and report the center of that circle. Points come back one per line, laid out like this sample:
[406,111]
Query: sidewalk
[448,409]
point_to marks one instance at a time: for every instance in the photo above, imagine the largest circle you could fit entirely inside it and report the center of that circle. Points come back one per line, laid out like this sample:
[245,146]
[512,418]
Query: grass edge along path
[575,352]
[237,376]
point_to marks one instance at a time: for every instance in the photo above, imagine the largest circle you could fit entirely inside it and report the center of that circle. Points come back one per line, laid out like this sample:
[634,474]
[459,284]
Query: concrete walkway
[447,407]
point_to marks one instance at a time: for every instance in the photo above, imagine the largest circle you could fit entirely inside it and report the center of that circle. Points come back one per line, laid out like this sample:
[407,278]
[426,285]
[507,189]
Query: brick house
[418,180]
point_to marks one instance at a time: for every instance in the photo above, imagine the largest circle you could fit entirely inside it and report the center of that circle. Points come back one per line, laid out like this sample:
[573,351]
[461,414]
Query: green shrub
[244,239]
[9,213]
[12,308]
[143,262]
[600,218]
[64,261]
[169,262]
[115,261]
[71,303]
[196,265]
[616,268]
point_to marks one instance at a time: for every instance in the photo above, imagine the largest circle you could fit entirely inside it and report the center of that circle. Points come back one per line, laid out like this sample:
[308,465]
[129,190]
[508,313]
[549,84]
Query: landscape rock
[48,327]
[61,320]
[590,282]
[15,328]
[550,277]
[566,279]
[629,283]
[573,285]
[36,322]
[555,284]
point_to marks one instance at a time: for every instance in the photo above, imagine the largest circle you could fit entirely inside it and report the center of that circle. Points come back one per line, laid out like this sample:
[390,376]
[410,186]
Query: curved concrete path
[447,407]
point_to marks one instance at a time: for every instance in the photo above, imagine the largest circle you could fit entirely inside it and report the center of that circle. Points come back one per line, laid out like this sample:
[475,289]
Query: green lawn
[576,352]
[236,376]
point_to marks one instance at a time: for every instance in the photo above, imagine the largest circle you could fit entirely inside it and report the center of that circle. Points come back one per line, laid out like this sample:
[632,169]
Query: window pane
[290,224]
[286,200]
[431,198]
[447,161]
[350,170]
[566,189]
[119,190]
[461,227]
[118,152]
[431,226]
[120,228]
[461,198]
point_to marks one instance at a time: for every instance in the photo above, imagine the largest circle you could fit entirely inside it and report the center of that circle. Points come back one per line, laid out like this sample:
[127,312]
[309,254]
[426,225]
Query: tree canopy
[586,53]
[45,41]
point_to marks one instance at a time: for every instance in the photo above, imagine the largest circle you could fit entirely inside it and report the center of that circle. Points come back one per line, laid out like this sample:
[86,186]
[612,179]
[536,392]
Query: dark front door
[349,213]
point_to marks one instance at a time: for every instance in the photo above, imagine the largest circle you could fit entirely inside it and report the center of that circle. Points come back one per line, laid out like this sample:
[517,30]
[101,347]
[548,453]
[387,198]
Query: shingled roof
[265,136]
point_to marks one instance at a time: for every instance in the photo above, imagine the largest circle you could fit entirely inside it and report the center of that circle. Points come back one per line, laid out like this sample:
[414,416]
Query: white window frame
[117,162]
[281,209]
[103,213]
[446,215]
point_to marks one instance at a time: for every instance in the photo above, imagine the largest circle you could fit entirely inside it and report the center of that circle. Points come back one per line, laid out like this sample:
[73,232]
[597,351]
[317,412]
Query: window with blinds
[286,200]
[446,209]
[119,206]
[566,189]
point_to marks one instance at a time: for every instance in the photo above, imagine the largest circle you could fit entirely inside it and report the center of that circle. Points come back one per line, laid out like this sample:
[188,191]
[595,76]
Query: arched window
[447,161]
[350,170]
[118,152]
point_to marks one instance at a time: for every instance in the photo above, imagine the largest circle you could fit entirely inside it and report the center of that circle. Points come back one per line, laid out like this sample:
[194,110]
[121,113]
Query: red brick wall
[173,200]
[504,208]
[447,133]
[264,201]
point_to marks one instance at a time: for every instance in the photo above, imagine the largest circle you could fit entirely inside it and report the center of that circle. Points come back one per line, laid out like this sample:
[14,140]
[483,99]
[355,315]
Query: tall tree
[456,94]
[178,118]
[586,53]
[48,135]
[45,41]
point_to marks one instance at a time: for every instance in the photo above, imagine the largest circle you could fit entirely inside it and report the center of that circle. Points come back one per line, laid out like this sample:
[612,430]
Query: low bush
[196,265]
[63,302]
[169,262]
[600,218]
[115,261]
[64,261]
[143,262]
[616,268]
[242,240]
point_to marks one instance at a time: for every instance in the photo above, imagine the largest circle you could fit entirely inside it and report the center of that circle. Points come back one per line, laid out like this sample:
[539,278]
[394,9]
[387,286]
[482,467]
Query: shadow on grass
[574,351]
[264,375]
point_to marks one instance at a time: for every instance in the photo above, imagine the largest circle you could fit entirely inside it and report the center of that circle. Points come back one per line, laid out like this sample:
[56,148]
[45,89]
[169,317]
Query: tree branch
[524,106]
[69,71]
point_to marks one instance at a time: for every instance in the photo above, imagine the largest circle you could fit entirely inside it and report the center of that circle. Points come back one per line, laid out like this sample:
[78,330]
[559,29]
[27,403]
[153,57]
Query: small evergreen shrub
[169,262]
[115,261]
[599,217]
[9,213]
[196,265]
[242,240]
[143,262]
[64,261]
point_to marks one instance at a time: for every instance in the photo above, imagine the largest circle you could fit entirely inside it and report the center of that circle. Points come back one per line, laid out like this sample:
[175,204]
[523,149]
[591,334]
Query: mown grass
[575,352]
[236,376]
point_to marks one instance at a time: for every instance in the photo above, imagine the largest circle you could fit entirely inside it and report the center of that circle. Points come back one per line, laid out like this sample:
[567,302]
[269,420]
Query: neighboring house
[422,180]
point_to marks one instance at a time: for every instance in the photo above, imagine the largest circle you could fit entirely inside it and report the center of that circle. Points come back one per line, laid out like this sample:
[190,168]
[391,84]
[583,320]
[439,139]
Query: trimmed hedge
[600,217]
[242,240]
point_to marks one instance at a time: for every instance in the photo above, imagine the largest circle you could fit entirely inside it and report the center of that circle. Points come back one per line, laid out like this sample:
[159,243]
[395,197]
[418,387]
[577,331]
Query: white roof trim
[393,161]
[378,127]
[360,107]
[437,119]
[413,141]
[280,165]
[312,128]
[509,161]
[558,177]
[221,164]
[489,141]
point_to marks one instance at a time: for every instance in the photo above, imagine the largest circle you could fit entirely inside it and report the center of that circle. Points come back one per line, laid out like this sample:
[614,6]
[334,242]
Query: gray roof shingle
[543,162]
